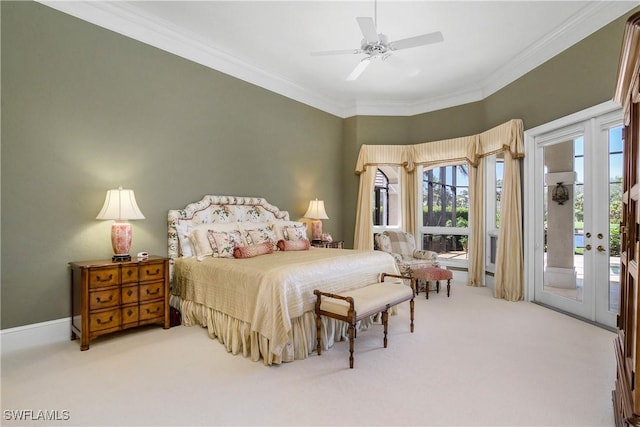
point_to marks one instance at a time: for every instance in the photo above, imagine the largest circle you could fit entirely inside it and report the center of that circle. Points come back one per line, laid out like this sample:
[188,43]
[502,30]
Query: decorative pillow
[201,244]
[183,229]
[278,227]
[295,232]
[261,235]
[384,243]
[423,254]
[253,250]
[294,245]
[223,243]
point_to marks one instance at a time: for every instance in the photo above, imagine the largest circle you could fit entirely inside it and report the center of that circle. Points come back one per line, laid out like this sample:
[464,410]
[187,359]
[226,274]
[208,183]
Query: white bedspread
[269,291]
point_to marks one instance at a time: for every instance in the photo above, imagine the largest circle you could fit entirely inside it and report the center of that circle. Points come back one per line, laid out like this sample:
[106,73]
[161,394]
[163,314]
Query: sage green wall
[85,110]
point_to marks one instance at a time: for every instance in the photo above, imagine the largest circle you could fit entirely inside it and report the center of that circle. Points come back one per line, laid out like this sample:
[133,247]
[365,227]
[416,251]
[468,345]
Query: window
[445,212]
[493,178]
[381,199]
[386,197]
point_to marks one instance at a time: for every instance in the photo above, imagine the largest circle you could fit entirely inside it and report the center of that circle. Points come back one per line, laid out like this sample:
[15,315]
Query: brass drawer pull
[157,291]
[100,322]
[108,279]
[154,311]
[99,301]
[149,273]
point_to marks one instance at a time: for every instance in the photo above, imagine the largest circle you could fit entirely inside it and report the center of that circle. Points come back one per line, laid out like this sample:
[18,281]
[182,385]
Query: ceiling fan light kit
[376,45]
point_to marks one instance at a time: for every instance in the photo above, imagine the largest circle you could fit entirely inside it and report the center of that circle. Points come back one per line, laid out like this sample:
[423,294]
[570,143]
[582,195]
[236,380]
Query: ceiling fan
[376,45]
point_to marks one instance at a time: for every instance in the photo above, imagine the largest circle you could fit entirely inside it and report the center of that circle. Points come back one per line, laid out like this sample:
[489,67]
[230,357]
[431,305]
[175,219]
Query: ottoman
[430,274]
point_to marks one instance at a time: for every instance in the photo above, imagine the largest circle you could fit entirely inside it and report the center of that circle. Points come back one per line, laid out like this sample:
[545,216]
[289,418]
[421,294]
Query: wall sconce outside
[560,194]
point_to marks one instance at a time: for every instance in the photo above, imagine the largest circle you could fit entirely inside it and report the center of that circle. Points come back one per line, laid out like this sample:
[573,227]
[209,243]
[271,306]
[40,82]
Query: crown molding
[122,19]
[591,18]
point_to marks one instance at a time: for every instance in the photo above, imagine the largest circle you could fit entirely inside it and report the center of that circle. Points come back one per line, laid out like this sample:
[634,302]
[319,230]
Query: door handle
[600,248]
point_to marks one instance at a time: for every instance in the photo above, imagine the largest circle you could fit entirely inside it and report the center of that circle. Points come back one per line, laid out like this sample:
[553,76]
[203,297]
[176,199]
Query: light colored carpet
[472,361]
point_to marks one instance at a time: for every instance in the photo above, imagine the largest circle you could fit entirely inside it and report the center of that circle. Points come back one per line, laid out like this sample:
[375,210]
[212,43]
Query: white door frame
[531,217]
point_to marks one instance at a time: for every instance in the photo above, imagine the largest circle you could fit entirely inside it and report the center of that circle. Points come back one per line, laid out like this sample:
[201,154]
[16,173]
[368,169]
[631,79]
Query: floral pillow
[261,235]
[223,243]
[295,232]
[278,227]
[253,250]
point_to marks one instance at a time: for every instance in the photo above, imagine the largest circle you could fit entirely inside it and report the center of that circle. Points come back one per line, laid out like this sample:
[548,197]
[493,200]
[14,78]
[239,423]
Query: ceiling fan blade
[337,52]
[368,28]
[416,41]
[359,69]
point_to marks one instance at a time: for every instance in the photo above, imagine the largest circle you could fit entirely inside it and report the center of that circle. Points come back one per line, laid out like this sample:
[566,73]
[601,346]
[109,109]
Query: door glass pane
[563,219]
[615,214]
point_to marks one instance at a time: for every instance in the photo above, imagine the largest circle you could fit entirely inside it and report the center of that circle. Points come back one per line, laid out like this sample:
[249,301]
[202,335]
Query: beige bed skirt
[237,337]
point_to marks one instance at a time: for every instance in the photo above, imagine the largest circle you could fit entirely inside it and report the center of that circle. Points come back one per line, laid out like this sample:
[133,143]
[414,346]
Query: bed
[260,306]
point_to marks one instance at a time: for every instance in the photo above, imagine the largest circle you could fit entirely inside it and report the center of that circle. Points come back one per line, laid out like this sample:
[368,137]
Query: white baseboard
[34,335]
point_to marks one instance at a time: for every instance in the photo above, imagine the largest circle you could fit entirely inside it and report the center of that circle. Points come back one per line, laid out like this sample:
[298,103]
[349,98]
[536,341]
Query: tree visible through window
[445,209]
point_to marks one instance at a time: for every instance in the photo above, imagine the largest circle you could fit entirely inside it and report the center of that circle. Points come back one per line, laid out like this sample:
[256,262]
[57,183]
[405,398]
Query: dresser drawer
[104,320]
[129,315]
[103,277]
[129,274]
[151,291]
[104,299]
[108,296]
[129,294]
[151,310]
[148,272]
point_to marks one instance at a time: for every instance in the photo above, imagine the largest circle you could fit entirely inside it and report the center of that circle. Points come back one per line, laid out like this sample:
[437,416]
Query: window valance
[505,137]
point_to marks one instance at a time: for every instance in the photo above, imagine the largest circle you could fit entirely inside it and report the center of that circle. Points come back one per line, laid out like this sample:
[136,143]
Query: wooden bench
[358,304]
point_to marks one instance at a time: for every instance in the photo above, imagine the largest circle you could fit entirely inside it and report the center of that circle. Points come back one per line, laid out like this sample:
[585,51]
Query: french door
[574,219]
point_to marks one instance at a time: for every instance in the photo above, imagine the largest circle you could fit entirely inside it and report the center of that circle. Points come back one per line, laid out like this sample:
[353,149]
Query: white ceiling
[487,44]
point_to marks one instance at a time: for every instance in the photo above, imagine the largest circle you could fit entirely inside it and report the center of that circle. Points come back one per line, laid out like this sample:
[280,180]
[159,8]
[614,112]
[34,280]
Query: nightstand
[111,296]
[336,244]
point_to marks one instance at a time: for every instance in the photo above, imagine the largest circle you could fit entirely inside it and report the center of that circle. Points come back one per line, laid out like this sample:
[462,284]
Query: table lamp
[120,205]
[316,213]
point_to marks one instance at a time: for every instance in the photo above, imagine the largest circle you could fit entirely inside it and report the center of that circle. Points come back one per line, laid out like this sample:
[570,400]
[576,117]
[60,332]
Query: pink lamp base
[121,241]
[316,230]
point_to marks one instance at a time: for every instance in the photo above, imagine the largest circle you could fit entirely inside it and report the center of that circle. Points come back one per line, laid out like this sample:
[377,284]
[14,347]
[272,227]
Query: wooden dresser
[626,396]
[111,296]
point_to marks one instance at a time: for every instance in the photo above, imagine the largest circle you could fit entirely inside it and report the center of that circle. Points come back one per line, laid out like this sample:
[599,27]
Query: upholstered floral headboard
[218,210]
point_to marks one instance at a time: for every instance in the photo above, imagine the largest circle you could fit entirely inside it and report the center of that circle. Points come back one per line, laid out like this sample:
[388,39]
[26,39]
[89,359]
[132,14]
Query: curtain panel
[471,150]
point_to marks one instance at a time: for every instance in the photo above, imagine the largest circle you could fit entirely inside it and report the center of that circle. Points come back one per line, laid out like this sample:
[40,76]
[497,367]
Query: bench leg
[426,289]
[318,334]
[411,304]
[437,286]
[448,287]
[385,323]
[352,334]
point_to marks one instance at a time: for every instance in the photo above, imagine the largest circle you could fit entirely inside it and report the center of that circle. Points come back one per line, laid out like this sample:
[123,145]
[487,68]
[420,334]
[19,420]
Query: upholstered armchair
[402,246]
